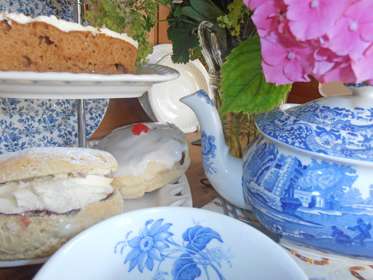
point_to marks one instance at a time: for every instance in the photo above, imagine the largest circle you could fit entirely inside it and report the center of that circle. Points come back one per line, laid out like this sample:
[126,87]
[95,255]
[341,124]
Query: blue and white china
[164,98]
[308,177]
[171,244]
[61,8]
[26,123]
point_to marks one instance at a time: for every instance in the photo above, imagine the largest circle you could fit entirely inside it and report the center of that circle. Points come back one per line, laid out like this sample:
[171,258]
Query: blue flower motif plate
[26,123]
[171,243]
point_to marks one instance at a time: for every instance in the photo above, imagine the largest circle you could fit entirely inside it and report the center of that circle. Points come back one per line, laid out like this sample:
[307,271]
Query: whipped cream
[57,194]
[67,26]
[163,143]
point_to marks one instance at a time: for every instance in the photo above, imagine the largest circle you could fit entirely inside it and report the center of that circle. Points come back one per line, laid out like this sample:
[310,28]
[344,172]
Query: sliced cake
[47,44]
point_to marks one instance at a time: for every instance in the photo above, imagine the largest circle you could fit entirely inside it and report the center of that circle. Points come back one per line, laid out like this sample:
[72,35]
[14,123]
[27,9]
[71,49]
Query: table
[202,193]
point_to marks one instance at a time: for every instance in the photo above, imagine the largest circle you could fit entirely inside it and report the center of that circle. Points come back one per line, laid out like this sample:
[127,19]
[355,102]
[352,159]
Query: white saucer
[164,99]
[171,243]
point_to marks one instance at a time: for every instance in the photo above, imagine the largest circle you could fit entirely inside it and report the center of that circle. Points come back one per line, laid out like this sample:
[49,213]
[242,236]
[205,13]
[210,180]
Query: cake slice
[47,44]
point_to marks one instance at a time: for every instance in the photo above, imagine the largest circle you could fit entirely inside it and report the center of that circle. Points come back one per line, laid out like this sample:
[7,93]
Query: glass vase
[216,44]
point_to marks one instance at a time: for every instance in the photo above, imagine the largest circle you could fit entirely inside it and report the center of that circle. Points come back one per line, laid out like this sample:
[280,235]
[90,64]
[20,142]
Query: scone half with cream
[48,195]
[150,156]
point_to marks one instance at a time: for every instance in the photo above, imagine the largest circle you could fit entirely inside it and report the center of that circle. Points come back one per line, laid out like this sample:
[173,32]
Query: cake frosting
[57,194]
[66,26]
[136,145]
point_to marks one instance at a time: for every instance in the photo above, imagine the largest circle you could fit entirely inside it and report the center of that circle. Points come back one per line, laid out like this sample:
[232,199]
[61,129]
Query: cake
[48,195]
[149,155]
[48,44]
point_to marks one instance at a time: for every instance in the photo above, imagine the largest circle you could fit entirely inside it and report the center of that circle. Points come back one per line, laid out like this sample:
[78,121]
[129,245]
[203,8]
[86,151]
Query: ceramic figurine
[308,176]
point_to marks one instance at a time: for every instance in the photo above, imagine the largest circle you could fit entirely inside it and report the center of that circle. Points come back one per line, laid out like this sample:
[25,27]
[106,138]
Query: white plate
[171,243]
[176,194]
[164,99]
[81,85]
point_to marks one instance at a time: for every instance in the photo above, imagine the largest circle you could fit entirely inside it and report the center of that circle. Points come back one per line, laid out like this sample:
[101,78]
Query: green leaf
[191,13]
[243,84]
[232,21]
[184,40]
[206,8]
[136,17]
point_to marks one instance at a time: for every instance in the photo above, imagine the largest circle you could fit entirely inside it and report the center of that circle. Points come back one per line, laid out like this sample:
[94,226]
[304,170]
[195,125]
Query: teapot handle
[214,49]
[214,46]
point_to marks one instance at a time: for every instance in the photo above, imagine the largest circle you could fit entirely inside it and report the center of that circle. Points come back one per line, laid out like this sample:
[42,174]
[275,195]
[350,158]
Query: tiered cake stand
[32,85]
[81,86]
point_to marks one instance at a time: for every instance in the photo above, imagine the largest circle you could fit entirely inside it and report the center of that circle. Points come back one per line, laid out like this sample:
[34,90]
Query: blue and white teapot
[308,177]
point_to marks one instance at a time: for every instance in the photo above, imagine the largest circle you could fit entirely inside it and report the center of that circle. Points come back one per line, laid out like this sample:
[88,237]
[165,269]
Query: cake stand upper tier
[36,85]
[80,86]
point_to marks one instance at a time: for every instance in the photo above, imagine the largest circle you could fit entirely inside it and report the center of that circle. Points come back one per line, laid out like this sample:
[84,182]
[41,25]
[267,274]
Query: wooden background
[126,111]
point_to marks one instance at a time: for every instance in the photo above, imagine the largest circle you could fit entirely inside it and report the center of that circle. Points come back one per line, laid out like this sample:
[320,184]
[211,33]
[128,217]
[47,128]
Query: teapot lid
[339,126]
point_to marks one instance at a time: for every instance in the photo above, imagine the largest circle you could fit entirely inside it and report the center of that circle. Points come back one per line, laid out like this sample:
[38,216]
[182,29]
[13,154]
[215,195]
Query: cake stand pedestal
[81,124]
[80,103]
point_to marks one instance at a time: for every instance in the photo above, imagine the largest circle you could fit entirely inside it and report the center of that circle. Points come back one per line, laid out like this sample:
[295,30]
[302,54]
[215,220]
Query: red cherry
[139,128]
[24,221]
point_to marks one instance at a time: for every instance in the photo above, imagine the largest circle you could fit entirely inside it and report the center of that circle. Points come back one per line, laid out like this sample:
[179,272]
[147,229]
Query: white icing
[66,26]
[59,194]
[162,143]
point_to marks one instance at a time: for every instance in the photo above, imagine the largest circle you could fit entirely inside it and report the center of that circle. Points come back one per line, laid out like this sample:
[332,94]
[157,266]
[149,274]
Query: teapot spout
[223,170]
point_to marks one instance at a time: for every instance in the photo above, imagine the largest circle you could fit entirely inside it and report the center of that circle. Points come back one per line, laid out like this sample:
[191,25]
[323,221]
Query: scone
[150,156]
[47,44]
[48,195]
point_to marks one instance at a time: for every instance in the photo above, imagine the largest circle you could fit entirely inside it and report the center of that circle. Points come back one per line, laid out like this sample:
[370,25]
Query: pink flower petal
[274,74]
[345,41]
[342,73]
[269,17]
[363,67]
[294,71]
[293,62]
[272,52]
[367,32]
[309,19]
[253,4]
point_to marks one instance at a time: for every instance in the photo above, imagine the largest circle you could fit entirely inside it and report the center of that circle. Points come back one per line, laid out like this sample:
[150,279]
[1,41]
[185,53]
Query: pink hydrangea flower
[330,67]
[340,72]
[363,67]
[286,62]
[309,19]
[270,17]
[325,60]
[352,31]
[331,40]
[253,4]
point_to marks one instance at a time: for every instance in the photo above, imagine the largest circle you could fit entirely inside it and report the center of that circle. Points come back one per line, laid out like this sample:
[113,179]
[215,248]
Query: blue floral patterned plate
[28,123]
[171,243]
